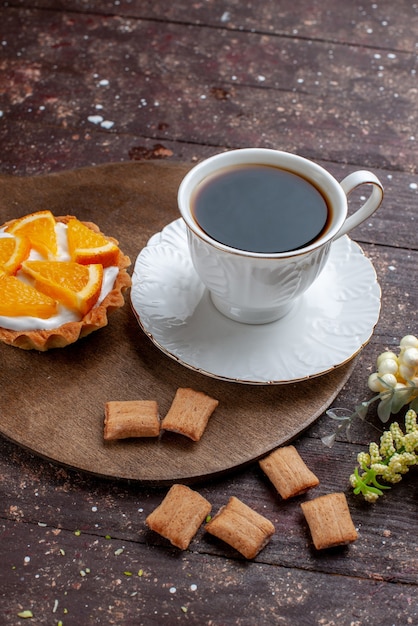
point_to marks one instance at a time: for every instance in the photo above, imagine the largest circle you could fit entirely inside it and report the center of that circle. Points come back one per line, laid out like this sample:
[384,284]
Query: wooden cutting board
[53,403]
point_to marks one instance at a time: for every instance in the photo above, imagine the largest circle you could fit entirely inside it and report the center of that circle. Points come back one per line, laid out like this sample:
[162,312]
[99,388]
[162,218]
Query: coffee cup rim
[317,175]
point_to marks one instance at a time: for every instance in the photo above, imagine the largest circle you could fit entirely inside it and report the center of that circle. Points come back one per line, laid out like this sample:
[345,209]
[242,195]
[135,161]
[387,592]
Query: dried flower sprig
[390,401]
[396,378]
[388,461]
[396,383]
[345,418]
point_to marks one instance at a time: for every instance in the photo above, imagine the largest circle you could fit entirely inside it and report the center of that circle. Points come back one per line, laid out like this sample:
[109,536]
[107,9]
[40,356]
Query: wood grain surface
[136,82]
[54,402]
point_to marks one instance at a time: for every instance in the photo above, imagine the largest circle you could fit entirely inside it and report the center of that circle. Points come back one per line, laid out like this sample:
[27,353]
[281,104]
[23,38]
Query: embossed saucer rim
[243,381]
[149,330]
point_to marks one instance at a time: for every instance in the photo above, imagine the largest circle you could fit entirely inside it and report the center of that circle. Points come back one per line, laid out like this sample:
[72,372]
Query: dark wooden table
[86,83]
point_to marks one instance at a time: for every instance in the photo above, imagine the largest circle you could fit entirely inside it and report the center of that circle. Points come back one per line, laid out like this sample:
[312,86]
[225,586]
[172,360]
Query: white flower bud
[386,355]
[388,366]
[405,372]
[374,383]
[389,379]
[410,357]
[409,341]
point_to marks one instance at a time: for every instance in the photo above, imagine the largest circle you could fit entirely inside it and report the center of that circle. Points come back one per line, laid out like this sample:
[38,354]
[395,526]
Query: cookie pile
[183,510]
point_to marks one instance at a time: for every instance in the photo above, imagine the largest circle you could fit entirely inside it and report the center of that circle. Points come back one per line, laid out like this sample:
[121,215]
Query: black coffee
[260,208]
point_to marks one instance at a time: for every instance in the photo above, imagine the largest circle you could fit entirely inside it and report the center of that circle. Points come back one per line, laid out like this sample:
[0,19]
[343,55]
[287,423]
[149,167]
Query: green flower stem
[367,483]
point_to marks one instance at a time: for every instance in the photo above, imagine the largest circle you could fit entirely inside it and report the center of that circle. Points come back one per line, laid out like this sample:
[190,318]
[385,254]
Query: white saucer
[327,327]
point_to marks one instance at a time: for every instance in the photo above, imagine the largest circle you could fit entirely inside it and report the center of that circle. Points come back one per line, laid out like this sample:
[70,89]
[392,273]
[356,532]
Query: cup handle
[350,182]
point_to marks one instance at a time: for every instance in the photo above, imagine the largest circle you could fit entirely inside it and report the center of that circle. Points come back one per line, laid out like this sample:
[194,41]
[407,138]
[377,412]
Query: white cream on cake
[64,315]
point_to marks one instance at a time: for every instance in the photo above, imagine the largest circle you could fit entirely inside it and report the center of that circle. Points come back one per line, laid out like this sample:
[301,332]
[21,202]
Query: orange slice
[39,227]
[18,298]
[86,246]
[75,286]
[13,251]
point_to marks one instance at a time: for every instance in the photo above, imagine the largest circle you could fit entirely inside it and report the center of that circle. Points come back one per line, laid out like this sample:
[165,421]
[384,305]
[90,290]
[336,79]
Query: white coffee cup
[257,288]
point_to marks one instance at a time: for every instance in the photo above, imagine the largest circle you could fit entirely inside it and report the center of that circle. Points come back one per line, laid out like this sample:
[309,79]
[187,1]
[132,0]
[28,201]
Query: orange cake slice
[13,251]
[39,228]
[73,285]
[18,298]
[86,246]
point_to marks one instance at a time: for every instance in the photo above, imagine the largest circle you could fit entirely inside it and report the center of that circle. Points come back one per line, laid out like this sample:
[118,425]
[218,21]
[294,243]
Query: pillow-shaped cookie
[59,279]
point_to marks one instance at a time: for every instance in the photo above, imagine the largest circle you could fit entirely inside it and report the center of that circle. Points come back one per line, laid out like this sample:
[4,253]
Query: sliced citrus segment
[86,246]
[39,227]
[13,251]
[75,286]
[18,298]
